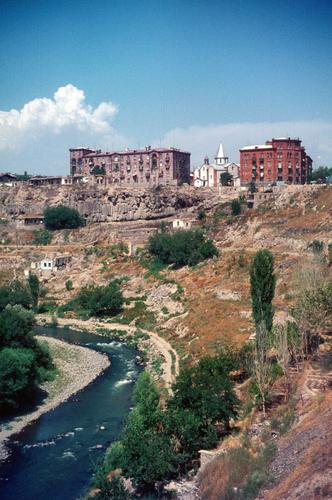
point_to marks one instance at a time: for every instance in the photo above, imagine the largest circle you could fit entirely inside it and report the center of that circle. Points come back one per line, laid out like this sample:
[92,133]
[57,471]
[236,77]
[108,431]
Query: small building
[45,265]
[48,264]
[31,219]
[182,224]
[51,180]
[62,261]
[7,178]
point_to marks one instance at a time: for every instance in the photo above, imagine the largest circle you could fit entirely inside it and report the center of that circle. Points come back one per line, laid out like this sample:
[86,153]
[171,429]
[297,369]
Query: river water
[53,458]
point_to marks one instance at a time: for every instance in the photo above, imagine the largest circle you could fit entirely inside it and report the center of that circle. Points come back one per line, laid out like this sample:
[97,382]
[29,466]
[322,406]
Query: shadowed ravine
[53,458]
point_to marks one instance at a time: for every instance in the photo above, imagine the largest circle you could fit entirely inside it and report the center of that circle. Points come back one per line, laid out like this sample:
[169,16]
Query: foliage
[320,174]
[42,237]
[329,256]
[69,285]
[252,187]
[160,441]
[201,214]
[97,170]
[147,451]
[317,247]
[62,217]
[109,488]
[262,280]
[34,286]
[236,207]
[181,248]
[23,361]
[226,179]
[203,396]
[313,312]
[237,475]
[15,293]
[101,300]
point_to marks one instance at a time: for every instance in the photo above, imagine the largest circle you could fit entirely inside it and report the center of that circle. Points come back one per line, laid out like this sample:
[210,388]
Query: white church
[208,174]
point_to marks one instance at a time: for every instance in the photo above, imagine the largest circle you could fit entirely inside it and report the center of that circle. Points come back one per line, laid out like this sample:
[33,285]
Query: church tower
[220,158]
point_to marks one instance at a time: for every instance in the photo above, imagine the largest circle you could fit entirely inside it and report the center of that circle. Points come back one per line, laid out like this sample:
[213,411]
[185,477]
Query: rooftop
[257,146]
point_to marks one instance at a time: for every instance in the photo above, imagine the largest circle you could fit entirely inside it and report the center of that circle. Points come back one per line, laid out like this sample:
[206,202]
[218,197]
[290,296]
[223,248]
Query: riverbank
[157,346]
[77,367]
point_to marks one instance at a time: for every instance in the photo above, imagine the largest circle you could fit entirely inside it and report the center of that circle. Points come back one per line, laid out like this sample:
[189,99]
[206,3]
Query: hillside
[199,309]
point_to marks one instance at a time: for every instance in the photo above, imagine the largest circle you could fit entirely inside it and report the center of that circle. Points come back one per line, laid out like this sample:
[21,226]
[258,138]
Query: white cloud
[67,111]
[201,140]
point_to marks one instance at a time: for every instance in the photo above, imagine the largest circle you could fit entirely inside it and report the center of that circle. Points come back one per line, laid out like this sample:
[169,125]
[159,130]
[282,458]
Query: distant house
[31,219]
[48,264]
[181,224]
[52,180]
[7,177]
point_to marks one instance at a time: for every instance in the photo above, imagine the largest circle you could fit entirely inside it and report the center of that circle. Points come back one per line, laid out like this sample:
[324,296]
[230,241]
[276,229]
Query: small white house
[45,265]
[181,224]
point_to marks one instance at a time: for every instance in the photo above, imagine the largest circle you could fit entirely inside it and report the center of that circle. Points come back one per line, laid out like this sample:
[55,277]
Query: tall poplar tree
[263,281]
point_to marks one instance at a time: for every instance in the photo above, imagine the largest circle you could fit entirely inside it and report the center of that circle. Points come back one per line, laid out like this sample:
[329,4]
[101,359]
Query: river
[53,458]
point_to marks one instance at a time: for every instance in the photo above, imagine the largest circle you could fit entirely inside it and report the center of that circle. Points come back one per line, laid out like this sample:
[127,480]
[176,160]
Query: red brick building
[281,160]
[148,166]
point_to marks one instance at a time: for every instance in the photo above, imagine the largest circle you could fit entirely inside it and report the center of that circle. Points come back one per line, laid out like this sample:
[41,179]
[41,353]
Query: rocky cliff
[100,204]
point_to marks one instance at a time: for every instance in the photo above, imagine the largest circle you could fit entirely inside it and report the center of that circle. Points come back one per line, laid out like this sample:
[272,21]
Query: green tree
[101,300]
[236,207]
[33,282]
[62,217]
[15,293]
[320,174]
[31,360]
[181,248]
[42,237]
[252,187]
[226,179]
[262,281]
[147,450]
[17,375]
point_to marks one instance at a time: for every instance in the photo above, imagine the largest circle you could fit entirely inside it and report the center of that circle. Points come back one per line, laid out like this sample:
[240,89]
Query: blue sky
[184,73]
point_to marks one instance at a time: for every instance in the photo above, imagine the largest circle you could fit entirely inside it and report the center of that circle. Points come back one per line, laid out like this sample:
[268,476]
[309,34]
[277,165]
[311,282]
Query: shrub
[15,293]
[23,361]
[226,179]
[101,300]
[329,249]
[181,248]
[201,214]
[62,218]
[236,207]
[317,247]
[69,285]
[42,237]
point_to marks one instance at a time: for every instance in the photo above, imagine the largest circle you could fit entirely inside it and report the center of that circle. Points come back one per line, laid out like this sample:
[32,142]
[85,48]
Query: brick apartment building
[281,160]
[148,166]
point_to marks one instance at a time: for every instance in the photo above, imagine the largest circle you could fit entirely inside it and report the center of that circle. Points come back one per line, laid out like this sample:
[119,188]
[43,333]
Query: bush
[69,285]
[236,207]
[101,300]
[42,237]
[15,293]
[62,218]
[24,362]
[181,248]
[201,214]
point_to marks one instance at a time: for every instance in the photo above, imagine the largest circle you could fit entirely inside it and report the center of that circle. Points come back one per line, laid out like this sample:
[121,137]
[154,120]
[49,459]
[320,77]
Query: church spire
[220,157]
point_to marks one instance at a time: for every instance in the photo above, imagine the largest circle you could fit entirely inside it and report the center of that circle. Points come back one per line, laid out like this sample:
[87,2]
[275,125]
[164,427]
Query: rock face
[100,204]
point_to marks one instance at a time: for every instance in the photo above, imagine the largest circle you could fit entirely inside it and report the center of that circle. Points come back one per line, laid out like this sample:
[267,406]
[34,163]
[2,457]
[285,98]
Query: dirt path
[170,366]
